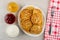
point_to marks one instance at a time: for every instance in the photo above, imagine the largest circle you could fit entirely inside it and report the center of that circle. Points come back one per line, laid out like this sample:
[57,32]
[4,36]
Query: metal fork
[52,12]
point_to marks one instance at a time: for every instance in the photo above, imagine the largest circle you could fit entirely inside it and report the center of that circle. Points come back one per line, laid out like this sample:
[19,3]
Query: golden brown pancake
[36,29]
[26,25]
[37,17]
[25,14]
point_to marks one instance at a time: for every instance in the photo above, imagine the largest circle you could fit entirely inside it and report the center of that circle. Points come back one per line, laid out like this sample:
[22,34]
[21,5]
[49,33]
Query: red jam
[9,18]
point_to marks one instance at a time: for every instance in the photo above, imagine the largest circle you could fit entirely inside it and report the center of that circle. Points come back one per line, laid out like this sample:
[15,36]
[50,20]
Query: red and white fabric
[55,33]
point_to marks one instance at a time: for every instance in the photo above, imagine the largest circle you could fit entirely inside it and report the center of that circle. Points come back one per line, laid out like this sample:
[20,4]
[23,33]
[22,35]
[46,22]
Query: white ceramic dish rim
[44,18]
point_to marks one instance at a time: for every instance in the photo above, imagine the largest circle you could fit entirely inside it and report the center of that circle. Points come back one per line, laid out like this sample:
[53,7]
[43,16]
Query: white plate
[34,35]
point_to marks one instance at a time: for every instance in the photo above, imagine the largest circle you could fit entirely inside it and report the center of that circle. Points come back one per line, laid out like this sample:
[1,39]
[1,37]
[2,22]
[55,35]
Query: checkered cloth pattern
[55,33]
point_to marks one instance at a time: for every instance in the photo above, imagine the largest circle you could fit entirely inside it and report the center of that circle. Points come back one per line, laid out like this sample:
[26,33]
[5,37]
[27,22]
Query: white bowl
[44,19]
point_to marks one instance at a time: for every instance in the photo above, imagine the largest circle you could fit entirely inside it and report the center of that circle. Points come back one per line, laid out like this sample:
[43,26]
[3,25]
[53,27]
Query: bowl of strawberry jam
[10,18]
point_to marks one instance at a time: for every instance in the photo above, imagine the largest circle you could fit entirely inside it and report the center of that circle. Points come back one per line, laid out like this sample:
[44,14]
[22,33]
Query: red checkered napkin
[55,32]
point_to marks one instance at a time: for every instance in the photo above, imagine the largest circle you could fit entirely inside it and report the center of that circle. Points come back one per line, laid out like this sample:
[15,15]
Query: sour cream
[12,31]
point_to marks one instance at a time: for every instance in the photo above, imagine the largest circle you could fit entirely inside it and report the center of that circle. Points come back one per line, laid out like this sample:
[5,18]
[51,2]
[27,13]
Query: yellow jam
[12,7]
